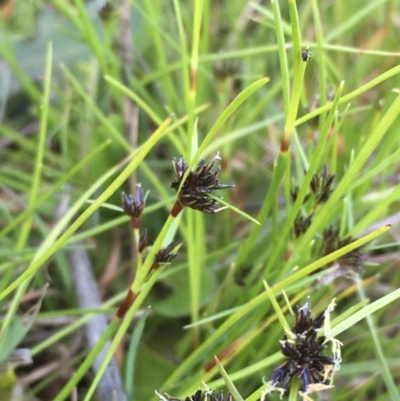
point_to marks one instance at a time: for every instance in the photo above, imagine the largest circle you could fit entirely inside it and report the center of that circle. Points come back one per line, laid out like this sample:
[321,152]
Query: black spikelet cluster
[198,185]
[331,242]
[133,205]
[165,255]
[319,192]
[200,396]
[301,224]
[303,352]
[321,185]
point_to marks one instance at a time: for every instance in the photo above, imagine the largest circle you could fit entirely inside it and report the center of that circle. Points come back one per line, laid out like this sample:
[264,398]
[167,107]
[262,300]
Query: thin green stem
[56,186]
[37,175]
[87,363]
[122,177]
[294,389]
[26,227]
[369,146]
[315,162]
[142,275]
[320,56]
[121,332]
[346,98]
[385,370]
[284,68]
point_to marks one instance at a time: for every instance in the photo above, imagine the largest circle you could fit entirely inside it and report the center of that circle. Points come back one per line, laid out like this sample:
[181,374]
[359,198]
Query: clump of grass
[157,85]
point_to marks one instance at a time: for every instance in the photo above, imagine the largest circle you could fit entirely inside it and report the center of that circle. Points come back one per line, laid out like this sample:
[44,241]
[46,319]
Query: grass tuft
[298,105]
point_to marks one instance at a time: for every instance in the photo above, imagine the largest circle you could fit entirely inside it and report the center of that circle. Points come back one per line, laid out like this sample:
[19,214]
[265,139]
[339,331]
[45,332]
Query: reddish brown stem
[176,209]
[285,144]
[135,223]
[126,304]
[155,266]
[226,352]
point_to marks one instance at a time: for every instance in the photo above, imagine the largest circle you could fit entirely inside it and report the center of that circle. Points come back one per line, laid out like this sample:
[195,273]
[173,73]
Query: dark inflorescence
[331,242]
[143,241]
[165,255]
[295,192]
[107,12]
[321,189]
[133,205]
[306,55]
[200,182]
[223,68]
[303,352]
[321,186]
[200,396]
[301,224]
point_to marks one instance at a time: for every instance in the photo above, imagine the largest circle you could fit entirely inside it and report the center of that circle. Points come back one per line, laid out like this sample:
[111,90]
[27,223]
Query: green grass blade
[115,134]
[363,313]
[387,376]
[132,166]
[41,199]
[229,383]
[239,99]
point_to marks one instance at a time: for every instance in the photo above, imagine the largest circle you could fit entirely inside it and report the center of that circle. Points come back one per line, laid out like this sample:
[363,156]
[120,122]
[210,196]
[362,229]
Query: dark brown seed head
[306,55]
[143,241]
[107,12]
[165,255]
[302,352]
[224,69]
[321,184]
[331,242]
[200,396]
[133,205]
[301,224]
[199,183]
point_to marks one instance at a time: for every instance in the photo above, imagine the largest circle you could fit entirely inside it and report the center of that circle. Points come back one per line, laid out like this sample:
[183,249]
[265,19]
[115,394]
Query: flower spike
[321,185]
[195,190]
[165,255]
[199,396]
[133,205]
[302,348]
[331,242]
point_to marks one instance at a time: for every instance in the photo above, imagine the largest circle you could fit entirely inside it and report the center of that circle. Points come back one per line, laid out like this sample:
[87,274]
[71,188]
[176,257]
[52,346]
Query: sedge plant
[255,147]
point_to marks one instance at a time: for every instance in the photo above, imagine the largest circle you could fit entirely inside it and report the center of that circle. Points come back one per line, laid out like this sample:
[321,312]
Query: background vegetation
[86,96]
